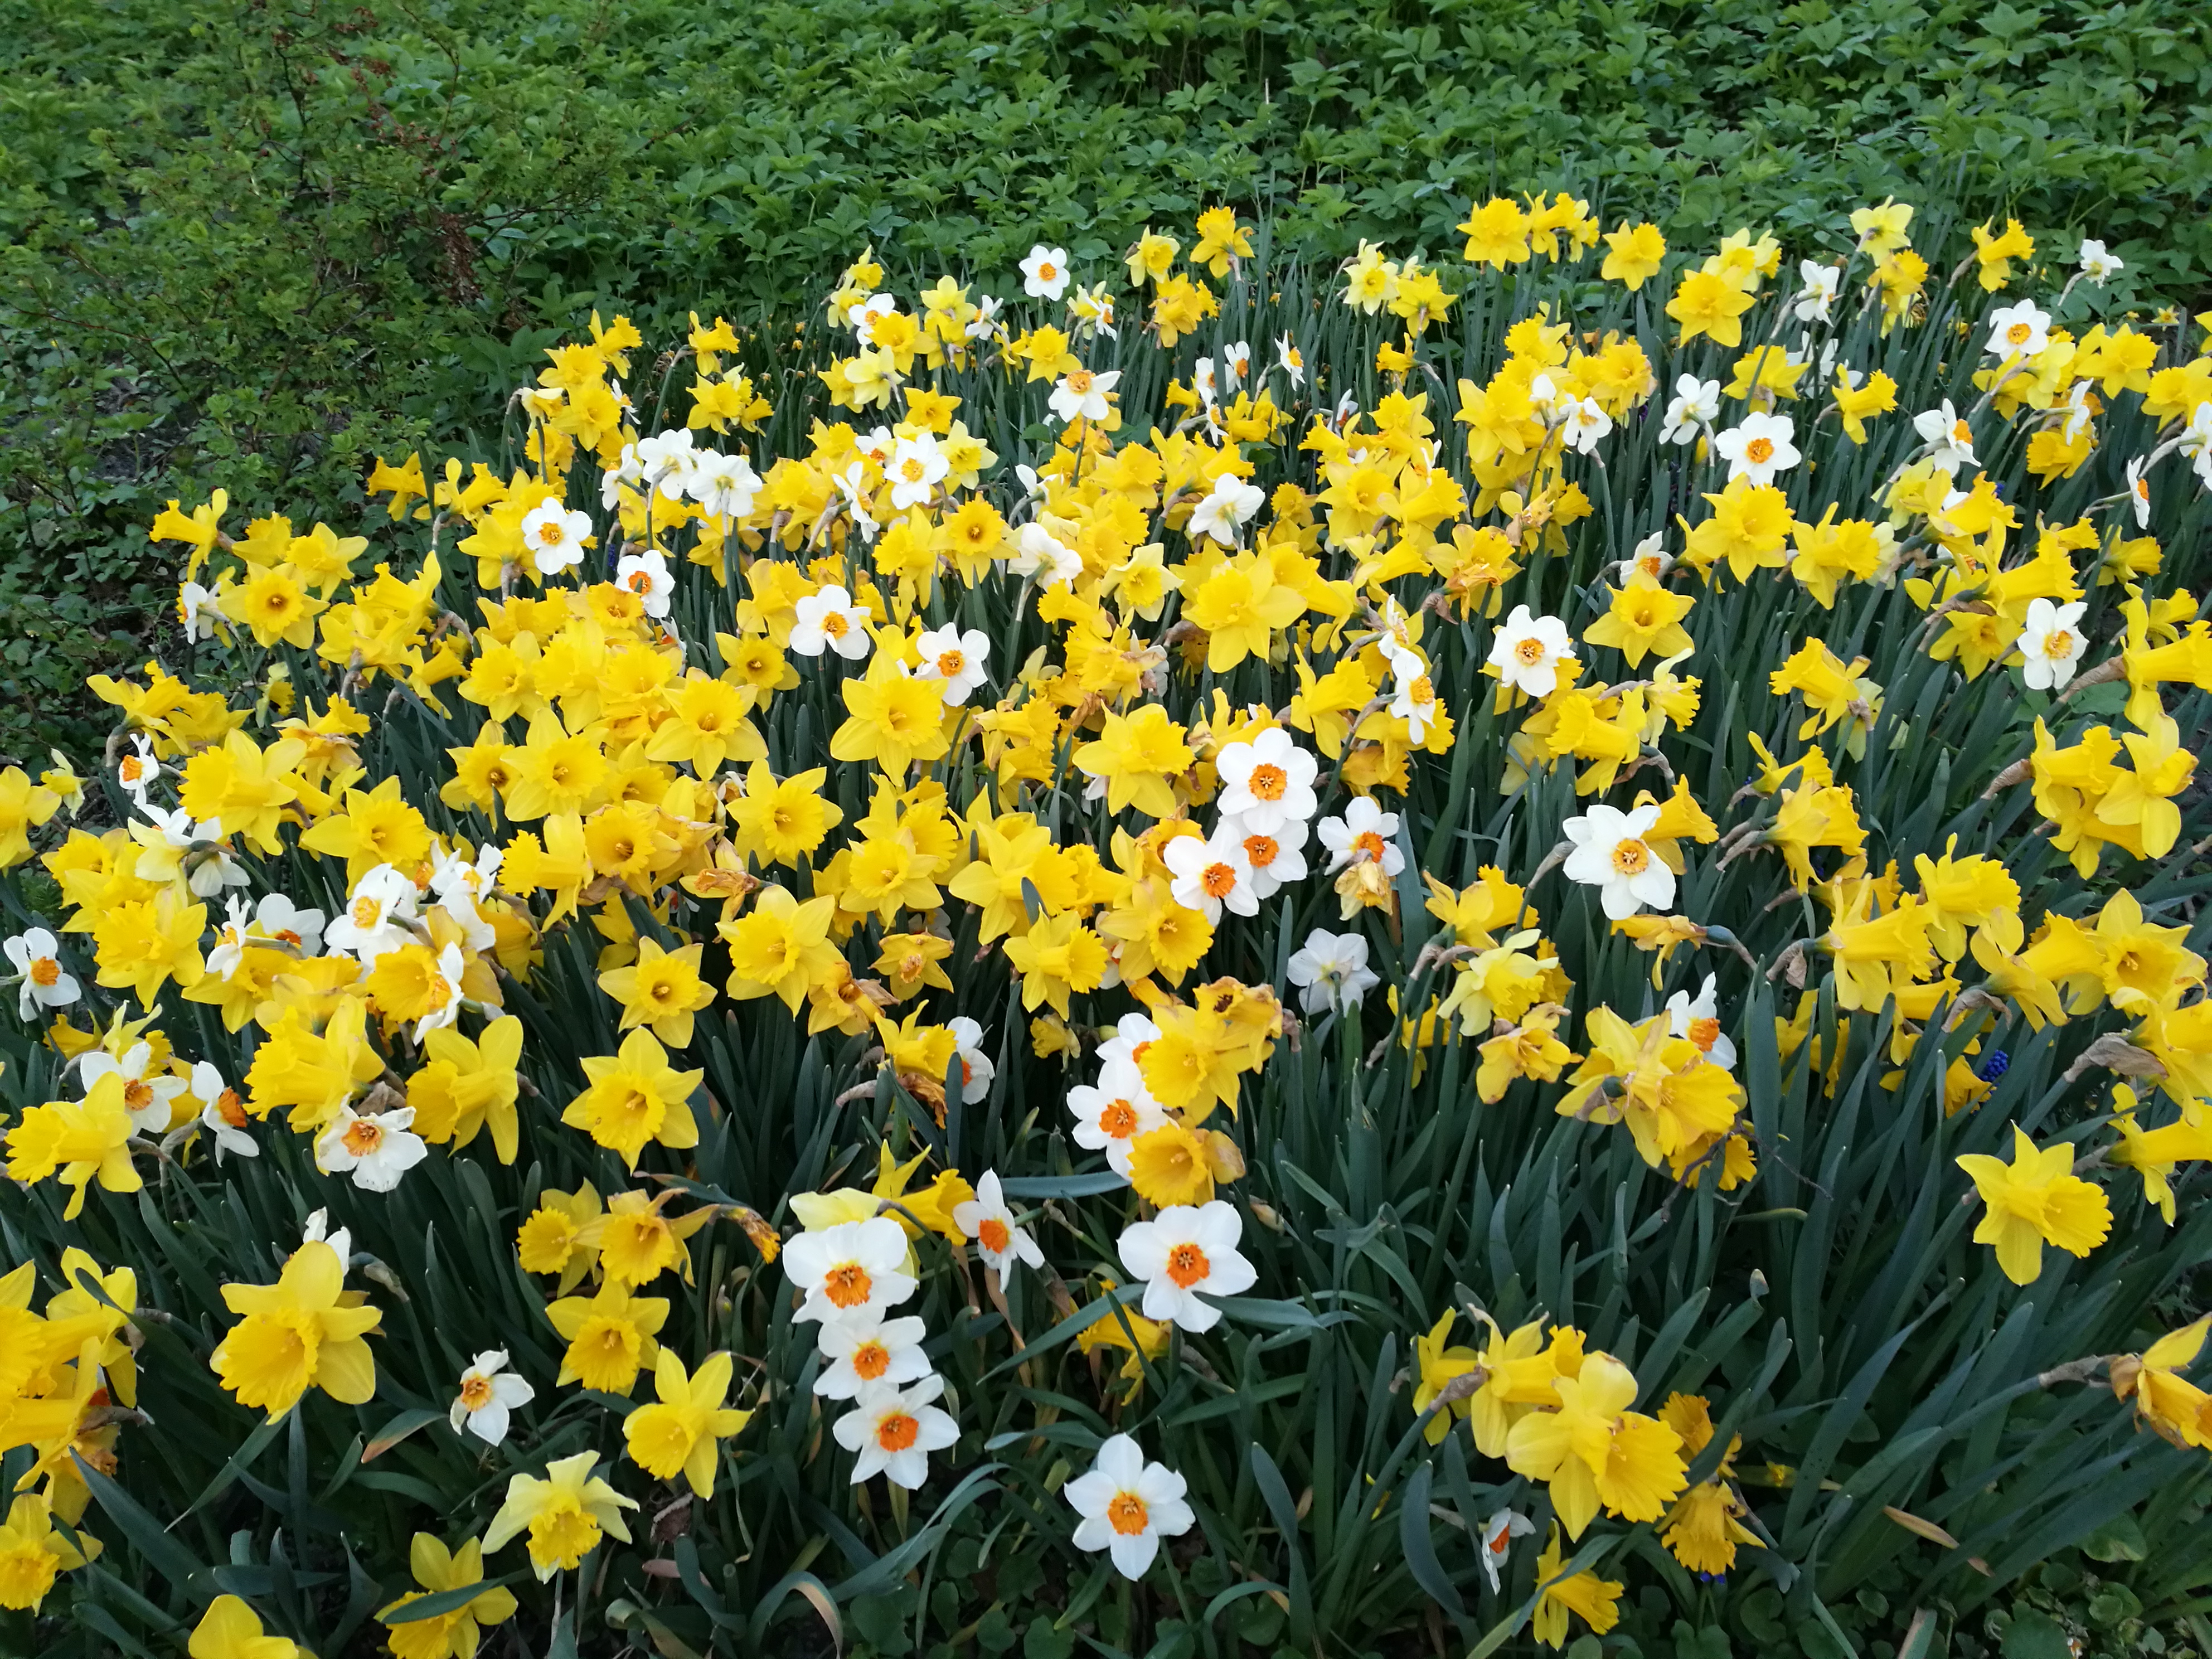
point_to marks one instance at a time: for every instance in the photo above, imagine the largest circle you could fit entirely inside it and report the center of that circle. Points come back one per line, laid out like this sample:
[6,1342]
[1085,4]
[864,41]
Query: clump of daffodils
[1085,806]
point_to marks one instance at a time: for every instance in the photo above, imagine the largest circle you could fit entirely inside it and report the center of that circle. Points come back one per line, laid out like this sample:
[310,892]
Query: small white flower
[1364,833]
[199,609]
[1212,873]
[852,489]
[1649,557]
[895,1429]
[137,770]
[1528,651]
[2077,410]
[222,1114]
[1110,1115]
[459,881]
[1235,363]
[2096,263]
[2018,331]
[1044,273]
[986,319]
[1497,1536]
[627,472]
[2196,442]
[827,619]
[1816,292]
[1288,360]
[667,461]
[555,535]
[647,575]
[1696,405]
[317,1231]
[376,916]
[1582,423]
[1759,448]
[35,955]
[861,317]
[986,1219]
[1202,381]
[1184,1252]
[1080,394]
[375,1148]
[1222,512]
[2139,491]
[865,1350]
[1698,1018]
[1276,858]
[1415,702]
[917,467]
[845,1268]
[958,662]
[1611,854]
[2052,643]
[1039,553]
[976,1070]
[1132,1032]
[724,485]
[148,1098]
[1331,971]
[445,993]
[1127,1506]
[488,1392]
[1268,782]
[1950,439]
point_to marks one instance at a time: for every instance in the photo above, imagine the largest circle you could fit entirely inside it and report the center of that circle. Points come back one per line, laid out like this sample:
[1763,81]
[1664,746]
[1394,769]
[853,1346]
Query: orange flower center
[1048,271]
[1187,1266]
[1139,1053]
[1218,880]
[231,1109]
[871,1360]
[994,1234]
[1422,691]
[1961,432]
[362,1137]
[1705,1033]
[1268,782]
[1128,1514]
[897,1431]
[1119,1119]
[1758,451]
[1259,851]
[552,532]
[475,1391]
[1632,858]
[132,768]
[1530,651]
[2020,334]
[45,970]
[847,1284]
[640,581]
[1368,845]
[952,664]
[2059,644]
[137,1094]
[1079,381]
[836,626]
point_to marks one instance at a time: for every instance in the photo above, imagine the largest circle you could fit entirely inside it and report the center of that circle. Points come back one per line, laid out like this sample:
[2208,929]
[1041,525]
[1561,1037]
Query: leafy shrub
[1764,1016]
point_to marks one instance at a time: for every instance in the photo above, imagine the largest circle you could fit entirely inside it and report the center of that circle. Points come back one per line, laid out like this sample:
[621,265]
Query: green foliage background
[251,243]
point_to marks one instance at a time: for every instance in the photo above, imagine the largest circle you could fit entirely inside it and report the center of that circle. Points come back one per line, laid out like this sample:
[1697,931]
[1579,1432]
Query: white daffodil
[2018,331]
[35,955]
[852,1265]
[375,1148]
[1044,273]
[1331,971]
[1695,406]
[893,1430]
[647,574]
[1111,1114]
[1268,782]
[976,1070]
[1611,854]
[1759,448]
[555,535]
[1212,874]
[1225,509]
[828,619]
[866,1350]
[376,916]
[1127,1506]
[917,466]
[1275,860]
[1528,650]
[1949,438]
[987,1220]
[488,1393]
[1184,1252]
[1080,394]
[1698,1018]
[958,662]
[2051,642]
[149,1095]
[1365,834]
